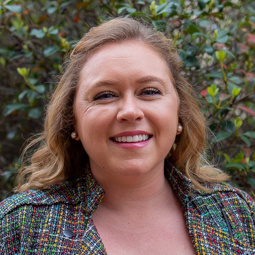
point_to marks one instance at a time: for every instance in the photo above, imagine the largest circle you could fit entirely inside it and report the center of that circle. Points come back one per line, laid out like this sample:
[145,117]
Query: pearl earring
[74,134]
[179,128]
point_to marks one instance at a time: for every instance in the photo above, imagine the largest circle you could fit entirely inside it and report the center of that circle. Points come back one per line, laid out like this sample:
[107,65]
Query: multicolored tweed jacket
[58,220]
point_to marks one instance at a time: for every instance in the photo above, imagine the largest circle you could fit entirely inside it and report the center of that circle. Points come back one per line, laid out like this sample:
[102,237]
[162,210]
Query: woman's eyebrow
[148,79]
[99,84]
[142,80]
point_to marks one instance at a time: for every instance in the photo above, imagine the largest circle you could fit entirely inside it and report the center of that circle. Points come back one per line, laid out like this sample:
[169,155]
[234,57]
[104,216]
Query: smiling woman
[120,168]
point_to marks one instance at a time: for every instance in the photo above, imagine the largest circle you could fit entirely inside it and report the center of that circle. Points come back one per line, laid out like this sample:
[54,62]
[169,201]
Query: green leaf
[197,13]
[65,4]
[251,181]
[228,126]
[209,50]
[226,156]
[235,80]
[169,11]
[239,157]
[14,8]
[167,8]
[51,10]
[153,8]
[40,88]
[130,9]
[231,86]
[250,134]
[213,90]
[222,36]
[182,53]
[220,55]
[222,135]
[35,113]
[191,62]
[2,62]
[209,99]
[204,23]
[23,71]
[201,34]
[50,50]
[202,3]
[121,9]
[38,33]
[193,29]
[223,39]
[11,134]
[13,107]
[160,25]
[230,53]
[235,92]
[22,94]
[239,166]
[32,81]
[238,122]
[31,95]
[214,74]
[245,140]
[53,31]
[251,163]
[191,50]
[136,14]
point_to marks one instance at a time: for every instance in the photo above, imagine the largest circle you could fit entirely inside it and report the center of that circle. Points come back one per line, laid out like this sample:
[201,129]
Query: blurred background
[215,39]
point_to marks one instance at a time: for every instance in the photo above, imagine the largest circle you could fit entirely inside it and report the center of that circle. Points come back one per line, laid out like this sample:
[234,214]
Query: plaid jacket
[58,220]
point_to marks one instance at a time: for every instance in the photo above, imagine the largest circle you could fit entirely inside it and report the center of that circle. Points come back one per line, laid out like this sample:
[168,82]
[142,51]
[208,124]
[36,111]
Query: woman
[119,169]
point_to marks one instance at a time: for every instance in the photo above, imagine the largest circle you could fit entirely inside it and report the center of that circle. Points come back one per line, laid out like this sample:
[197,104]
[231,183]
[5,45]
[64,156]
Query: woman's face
[126,109]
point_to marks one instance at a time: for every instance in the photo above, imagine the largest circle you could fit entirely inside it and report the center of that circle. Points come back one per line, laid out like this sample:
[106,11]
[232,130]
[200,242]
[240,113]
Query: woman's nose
[129,110]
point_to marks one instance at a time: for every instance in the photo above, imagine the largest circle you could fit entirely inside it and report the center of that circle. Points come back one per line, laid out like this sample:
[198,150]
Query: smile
[131,139]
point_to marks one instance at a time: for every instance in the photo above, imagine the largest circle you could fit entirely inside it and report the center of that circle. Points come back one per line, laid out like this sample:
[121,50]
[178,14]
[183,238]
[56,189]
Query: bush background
[215,39]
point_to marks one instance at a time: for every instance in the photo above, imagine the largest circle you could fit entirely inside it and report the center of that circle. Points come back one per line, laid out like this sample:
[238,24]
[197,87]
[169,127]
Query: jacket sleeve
[12,225]
[9,233]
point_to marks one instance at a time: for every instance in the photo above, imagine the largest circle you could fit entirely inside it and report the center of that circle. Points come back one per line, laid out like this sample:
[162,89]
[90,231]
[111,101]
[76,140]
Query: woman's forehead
[128,52]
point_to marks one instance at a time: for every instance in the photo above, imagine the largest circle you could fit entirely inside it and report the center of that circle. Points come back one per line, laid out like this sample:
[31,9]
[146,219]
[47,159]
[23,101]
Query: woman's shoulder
[228,196]
[43,219]
[230,189]
[70,191]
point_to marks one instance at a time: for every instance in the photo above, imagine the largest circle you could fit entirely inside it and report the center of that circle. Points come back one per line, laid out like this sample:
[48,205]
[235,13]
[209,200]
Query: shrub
[215,39]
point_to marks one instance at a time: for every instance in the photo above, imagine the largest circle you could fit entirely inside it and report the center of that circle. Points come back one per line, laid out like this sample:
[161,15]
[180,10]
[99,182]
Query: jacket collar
[185,190]
[83,190]
[87,191]
[180,184]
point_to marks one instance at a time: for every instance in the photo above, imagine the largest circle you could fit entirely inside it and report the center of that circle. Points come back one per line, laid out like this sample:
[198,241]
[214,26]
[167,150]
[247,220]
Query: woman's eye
[104,95]
[150,92]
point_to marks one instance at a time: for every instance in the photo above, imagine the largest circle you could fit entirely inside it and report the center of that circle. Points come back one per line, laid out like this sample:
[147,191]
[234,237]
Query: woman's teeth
[131,139]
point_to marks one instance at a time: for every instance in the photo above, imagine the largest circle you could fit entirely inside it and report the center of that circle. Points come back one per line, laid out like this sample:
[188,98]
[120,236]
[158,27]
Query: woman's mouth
[131,139]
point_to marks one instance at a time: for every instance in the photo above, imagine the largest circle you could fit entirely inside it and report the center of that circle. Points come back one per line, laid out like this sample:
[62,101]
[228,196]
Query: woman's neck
[127,194]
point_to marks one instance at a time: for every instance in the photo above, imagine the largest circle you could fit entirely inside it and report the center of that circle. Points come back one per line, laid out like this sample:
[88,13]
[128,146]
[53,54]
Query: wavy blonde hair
[58,157]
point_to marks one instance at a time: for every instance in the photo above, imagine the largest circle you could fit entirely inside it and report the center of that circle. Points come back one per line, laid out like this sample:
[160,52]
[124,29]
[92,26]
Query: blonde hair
[59,157]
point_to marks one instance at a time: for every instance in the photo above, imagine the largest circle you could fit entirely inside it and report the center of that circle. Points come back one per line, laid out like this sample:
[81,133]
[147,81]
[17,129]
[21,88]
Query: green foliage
[215,39]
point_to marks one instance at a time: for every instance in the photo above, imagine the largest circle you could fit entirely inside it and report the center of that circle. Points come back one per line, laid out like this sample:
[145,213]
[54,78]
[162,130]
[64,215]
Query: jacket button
[68,233]
[247,253]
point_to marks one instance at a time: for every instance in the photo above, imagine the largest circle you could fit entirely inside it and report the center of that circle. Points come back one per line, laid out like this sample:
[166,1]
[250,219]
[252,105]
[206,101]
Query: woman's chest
[161,234]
